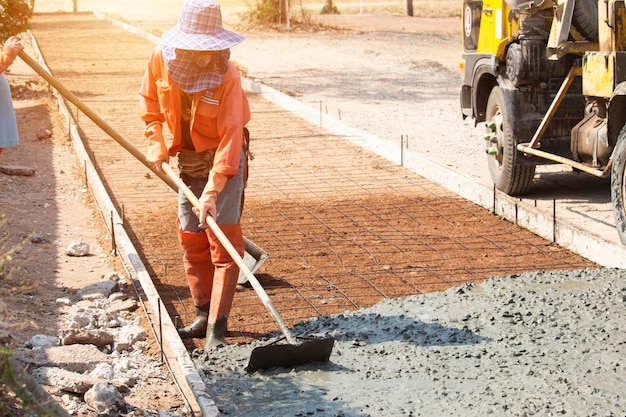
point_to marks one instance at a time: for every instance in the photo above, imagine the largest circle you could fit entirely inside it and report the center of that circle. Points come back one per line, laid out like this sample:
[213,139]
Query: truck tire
[585,19]
[508,176]
[618,185]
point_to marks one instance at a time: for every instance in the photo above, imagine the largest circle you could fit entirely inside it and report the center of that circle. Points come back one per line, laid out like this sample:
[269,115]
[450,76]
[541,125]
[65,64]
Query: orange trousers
[211,272]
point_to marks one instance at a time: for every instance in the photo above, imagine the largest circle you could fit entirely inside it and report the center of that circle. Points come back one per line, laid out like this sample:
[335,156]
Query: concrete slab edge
[129,28]
[175,352]
[559,231]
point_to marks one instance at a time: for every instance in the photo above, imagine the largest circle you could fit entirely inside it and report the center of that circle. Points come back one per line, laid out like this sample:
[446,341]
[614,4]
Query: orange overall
[216,121]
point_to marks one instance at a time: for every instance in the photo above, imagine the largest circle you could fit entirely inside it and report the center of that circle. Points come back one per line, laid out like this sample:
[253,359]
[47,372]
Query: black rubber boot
[215,334]
[197,328]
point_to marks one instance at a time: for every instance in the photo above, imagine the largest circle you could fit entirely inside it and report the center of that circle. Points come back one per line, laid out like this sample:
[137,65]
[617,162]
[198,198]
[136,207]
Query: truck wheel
[508,177]
[585,19]
[618,185]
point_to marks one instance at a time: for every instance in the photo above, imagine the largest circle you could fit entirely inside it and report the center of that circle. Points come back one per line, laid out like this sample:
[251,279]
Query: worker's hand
[13,46]
[207,208]
[157,151]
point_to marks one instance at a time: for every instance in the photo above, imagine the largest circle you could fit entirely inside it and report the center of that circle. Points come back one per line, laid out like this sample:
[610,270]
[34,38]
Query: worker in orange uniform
[191,85]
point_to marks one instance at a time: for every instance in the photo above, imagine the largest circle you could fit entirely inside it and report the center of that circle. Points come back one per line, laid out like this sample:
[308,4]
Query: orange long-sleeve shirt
[218,116]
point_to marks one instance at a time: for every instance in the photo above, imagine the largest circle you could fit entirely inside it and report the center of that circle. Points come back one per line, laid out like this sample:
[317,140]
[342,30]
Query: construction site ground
[344,227]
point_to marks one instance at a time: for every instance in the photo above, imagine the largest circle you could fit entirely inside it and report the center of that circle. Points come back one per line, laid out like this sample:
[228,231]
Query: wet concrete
[535,344]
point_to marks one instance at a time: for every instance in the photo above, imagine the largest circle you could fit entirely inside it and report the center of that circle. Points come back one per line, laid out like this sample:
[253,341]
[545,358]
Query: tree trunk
[409,7]
[328,7]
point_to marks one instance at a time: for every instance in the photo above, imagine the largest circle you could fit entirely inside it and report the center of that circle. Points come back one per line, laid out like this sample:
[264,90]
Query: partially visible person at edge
[8,125]
[191,85]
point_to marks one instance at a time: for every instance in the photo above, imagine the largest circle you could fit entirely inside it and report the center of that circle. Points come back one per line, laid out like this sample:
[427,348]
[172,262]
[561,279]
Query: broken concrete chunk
[122,305]
[78,248]
[39,341]
[75,358]
[96,337]
[127,336]
[102,289]
[103,371]
[64,380]
[104,398]
[90,318]
[17,170]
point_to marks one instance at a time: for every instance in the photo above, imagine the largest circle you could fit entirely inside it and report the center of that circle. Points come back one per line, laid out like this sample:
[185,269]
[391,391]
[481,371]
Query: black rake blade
[288,355]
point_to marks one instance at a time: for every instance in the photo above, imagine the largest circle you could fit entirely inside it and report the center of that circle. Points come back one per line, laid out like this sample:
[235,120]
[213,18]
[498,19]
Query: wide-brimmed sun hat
[199,28]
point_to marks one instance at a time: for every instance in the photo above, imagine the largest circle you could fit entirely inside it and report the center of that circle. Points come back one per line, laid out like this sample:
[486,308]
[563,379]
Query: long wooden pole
[93,116]
[265,299]
[169,177]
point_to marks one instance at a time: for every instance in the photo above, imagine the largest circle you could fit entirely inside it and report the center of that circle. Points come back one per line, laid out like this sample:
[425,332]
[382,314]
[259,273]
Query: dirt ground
[55,195]
[40,216]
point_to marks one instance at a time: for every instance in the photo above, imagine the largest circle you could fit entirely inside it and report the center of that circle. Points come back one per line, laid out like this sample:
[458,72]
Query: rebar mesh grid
[343,227]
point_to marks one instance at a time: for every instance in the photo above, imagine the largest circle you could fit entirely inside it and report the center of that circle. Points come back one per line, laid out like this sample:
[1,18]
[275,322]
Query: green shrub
[14,18]
[273,13]
[265,12]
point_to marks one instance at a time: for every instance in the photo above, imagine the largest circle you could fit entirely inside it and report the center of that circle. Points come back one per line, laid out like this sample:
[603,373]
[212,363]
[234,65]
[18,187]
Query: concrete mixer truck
[547,78]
